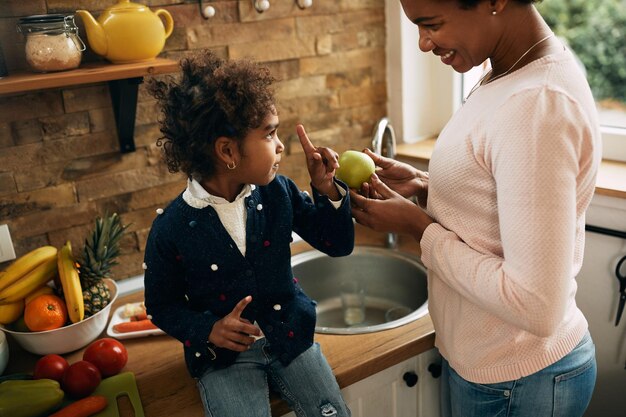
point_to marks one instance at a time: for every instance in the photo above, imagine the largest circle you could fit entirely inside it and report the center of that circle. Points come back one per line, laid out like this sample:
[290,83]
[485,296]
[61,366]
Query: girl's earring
[231,165]
[493,13]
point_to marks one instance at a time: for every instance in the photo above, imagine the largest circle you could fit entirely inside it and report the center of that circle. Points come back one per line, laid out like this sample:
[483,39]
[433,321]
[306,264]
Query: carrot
[134,326]
[83,408]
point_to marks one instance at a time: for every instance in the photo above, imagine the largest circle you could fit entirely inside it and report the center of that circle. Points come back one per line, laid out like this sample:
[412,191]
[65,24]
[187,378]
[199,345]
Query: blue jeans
[562,389]
[307,384]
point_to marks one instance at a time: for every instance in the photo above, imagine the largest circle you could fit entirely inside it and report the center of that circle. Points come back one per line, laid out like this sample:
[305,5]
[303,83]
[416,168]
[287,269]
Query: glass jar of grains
[52,42]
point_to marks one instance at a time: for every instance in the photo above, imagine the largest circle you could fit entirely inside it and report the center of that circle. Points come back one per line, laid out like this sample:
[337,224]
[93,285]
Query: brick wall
[60,165]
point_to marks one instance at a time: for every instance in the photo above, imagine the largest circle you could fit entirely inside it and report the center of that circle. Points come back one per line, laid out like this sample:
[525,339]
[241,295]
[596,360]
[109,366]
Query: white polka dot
[186,297]
[198,354]
[159,211]
[253,187]
[277,307]
[259,207]
[144,266]
[214,267]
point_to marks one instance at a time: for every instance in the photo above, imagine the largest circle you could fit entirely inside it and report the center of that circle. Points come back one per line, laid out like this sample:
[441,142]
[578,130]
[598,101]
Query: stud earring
[493,12]
[231,165]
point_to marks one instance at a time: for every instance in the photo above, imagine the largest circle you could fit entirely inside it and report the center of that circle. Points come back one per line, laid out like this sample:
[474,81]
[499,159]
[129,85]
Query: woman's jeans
[563,389]
[307,384]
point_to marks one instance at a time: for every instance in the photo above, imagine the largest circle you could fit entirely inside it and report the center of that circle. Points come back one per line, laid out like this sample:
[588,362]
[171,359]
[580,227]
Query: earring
[231,167]
[493,12]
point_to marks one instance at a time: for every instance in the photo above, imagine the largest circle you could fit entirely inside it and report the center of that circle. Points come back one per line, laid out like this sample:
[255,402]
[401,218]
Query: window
[423,93]
[595,30]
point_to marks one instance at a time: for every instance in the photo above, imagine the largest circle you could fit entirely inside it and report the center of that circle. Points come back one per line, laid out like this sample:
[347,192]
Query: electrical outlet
[7,253]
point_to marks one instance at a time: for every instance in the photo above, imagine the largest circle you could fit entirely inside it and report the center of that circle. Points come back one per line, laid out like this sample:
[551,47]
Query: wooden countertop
[611,179]
[167,390]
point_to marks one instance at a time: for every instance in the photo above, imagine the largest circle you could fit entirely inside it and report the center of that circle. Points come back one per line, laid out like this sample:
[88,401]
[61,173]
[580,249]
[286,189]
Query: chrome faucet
[383,130]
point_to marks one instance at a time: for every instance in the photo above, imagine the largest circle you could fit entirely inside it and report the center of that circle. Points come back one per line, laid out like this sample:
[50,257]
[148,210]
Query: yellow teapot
[127,31]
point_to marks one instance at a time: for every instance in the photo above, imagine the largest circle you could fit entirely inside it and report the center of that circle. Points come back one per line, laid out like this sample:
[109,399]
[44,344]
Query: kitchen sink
[393,286]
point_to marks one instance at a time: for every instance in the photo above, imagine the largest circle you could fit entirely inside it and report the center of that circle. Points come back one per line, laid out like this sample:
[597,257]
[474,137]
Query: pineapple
[97,258]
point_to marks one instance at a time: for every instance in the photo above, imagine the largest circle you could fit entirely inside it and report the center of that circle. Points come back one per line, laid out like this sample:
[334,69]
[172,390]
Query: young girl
[218,273]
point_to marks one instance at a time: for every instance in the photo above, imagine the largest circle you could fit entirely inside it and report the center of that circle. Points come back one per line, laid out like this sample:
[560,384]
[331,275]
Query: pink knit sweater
[511,176]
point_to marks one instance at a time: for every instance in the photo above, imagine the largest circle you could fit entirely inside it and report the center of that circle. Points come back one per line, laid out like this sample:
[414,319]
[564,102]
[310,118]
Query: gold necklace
[480,82]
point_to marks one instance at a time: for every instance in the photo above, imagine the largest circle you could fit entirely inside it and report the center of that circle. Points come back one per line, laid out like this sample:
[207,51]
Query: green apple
[355,168]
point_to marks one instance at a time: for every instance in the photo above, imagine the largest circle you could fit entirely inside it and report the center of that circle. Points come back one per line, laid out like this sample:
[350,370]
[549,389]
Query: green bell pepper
[29,398]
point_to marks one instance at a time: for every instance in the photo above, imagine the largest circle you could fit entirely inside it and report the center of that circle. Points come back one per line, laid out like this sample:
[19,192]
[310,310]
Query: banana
[25,264]
[72,290]
[28,283]
[45,290]
[11,312]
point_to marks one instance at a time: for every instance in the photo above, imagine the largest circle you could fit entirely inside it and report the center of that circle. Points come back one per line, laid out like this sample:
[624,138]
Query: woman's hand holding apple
[402,178]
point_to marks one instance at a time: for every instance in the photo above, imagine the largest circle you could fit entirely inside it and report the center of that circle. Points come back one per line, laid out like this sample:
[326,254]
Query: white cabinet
[387,394]
[597,297]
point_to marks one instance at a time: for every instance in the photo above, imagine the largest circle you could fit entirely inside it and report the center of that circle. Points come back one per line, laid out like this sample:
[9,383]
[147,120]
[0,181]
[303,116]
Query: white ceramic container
[4,352]
[68,338]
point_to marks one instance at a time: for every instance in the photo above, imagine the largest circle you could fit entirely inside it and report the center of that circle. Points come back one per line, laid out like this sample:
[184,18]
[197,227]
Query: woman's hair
[470,4]
[213,98]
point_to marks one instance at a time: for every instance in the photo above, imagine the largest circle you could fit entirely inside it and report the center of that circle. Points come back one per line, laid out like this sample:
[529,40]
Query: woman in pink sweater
[502,216]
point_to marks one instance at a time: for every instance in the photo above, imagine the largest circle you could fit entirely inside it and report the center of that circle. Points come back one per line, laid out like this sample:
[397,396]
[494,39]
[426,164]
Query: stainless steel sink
[394,284]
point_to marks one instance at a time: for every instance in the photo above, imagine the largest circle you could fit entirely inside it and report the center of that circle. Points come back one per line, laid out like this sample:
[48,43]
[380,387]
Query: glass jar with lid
[52,42]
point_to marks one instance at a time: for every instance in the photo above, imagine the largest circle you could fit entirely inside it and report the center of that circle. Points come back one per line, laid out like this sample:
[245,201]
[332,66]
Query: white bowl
[68,338]
[4,352]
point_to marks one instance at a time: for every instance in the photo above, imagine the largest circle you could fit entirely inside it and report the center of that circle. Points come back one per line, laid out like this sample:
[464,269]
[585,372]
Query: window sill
[611,175]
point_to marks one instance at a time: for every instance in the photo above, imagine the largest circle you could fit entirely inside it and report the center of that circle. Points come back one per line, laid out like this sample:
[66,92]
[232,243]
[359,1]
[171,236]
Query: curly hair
[214,98]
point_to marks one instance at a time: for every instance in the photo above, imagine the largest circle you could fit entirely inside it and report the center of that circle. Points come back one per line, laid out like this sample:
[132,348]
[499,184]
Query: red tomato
[108,354]
[81,379]
[50,367]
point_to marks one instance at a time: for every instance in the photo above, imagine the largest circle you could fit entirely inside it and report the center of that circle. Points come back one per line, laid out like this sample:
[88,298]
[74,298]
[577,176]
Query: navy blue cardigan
[195,274]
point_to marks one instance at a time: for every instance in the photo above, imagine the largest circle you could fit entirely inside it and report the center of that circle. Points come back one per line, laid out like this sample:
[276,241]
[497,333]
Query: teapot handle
[169,22]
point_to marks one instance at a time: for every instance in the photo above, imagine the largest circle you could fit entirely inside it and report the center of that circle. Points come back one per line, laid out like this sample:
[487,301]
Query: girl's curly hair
[214,98]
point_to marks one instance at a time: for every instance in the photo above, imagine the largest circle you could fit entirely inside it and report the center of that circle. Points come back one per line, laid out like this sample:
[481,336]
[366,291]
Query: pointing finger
[241,305]
[304,140]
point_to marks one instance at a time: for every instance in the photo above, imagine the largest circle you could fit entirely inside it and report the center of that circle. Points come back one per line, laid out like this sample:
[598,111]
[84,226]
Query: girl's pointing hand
[321,163]
[232,332]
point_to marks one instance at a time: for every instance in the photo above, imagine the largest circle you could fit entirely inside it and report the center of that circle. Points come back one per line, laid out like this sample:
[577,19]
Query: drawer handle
[410,378]
[435,370]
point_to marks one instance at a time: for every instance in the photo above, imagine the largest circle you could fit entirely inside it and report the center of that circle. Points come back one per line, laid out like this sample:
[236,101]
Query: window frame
[423,93]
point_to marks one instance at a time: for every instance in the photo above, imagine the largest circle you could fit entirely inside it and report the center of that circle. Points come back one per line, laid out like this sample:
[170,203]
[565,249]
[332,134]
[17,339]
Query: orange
[45,312]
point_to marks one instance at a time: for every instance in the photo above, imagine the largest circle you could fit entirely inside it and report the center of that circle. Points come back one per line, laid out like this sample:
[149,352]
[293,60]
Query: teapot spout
[95,33]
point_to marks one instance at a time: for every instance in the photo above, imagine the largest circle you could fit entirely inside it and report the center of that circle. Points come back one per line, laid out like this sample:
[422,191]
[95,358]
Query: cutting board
[117,386]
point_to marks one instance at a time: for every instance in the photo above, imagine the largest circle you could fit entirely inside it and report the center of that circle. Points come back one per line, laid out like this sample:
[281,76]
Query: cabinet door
[428,384]
[387,393]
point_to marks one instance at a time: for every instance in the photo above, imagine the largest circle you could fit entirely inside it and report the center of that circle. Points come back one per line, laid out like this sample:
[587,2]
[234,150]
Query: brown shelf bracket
[124,97]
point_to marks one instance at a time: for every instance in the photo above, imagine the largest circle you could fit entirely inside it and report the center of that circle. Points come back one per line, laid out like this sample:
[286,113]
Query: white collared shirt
[233,215]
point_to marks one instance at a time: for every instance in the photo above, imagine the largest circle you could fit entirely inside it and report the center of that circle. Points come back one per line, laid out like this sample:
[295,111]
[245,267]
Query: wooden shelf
[88,73]
[123,80]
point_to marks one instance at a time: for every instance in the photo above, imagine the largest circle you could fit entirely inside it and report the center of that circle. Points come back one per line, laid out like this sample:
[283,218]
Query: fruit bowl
[68,338]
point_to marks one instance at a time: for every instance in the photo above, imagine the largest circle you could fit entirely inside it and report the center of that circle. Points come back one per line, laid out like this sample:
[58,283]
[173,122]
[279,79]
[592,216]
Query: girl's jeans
[563,389]
[307,384]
